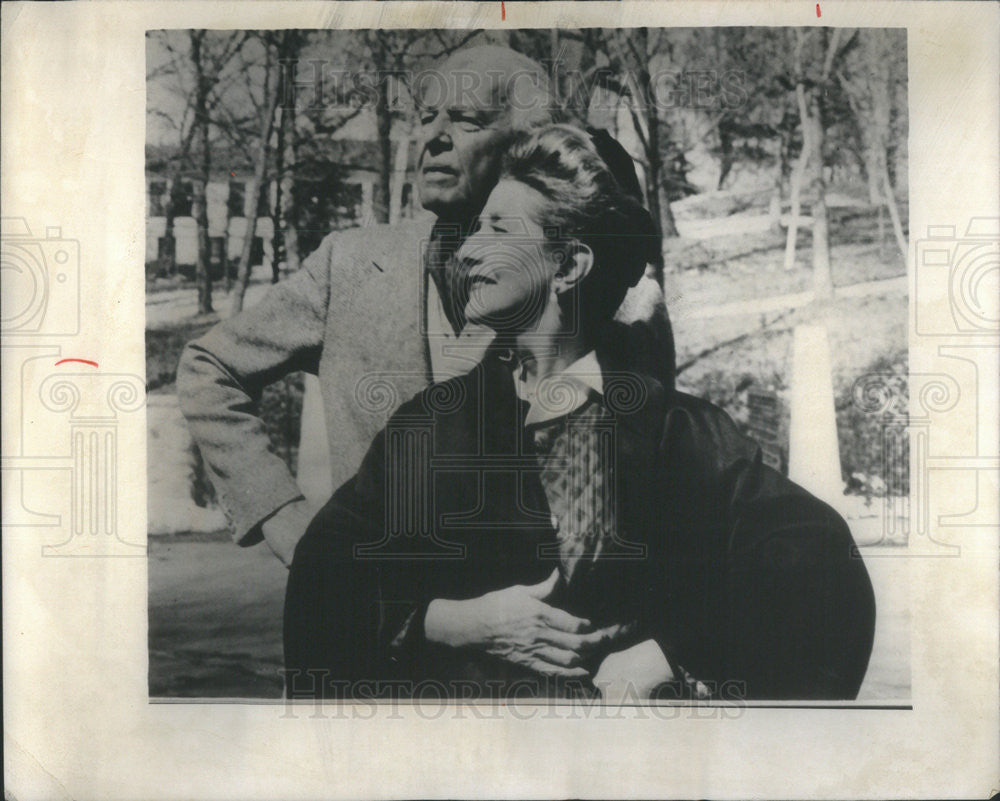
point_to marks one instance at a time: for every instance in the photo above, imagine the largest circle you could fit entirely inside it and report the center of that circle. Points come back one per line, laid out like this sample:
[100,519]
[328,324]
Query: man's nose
[437,135]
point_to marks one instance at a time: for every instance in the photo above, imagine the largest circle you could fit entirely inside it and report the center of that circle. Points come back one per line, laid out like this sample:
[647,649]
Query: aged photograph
[537,365]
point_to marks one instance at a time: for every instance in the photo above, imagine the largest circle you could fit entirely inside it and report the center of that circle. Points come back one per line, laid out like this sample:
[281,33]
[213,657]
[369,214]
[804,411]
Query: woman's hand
[517,625]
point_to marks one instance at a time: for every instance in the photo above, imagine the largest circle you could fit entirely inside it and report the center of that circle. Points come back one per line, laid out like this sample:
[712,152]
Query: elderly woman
[557,521]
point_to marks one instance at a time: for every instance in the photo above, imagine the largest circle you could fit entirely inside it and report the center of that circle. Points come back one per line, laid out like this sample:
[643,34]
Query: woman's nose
[466,251]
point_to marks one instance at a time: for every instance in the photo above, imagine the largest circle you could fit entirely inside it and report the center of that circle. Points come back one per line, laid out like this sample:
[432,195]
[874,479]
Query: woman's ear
[577,262]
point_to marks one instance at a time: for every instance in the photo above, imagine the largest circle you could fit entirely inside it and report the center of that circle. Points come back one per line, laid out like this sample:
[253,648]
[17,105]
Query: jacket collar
[636,398]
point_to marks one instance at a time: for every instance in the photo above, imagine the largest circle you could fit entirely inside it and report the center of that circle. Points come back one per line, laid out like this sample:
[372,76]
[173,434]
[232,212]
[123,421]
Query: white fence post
[813,450]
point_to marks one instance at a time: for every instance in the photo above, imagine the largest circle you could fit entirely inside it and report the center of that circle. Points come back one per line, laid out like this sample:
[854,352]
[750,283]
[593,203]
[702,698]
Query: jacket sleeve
[220,380]
[769,596]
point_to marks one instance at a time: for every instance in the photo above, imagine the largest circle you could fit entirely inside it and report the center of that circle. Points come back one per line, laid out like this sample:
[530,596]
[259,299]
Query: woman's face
[509,263]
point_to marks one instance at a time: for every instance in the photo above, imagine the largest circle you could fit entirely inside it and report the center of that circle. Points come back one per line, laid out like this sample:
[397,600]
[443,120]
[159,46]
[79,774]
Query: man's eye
[427,117]
[477,226]
[469,124]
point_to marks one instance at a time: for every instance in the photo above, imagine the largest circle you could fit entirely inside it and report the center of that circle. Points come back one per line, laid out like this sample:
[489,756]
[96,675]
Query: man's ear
[577,263]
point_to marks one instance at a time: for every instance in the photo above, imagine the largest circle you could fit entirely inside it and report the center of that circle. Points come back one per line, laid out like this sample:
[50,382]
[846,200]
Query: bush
[863,430]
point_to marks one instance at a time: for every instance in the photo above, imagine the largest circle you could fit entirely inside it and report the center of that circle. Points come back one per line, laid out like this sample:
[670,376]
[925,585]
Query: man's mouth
[436,169]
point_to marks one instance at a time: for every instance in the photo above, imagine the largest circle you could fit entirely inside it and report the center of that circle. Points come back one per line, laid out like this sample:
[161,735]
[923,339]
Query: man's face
[464,131]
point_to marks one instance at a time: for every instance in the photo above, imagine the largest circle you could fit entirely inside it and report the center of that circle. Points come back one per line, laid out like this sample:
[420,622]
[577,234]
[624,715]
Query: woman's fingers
[605,636]
[558,656]
[563,639]
[581,643]
[564,621]
[551,669]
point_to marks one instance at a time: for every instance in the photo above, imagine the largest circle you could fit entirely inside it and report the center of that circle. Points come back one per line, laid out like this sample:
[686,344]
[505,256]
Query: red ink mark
[234,174]
[503,11]
[82,361]
[817,11]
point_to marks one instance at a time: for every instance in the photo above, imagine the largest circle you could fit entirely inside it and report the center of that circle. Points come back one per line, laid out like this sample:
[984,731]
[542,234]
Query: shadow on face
[507,262]
[469,108]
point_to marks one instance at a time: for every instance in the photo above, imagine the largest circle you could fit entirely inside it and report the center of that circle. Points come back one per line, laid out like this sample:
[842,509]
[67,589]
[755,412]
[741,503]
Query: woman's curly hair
[586,203]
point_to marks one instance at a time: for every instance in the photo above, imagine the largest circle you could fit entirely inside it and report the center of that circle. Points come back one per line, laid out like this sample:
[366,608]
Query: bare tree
[199,207]
[285,242]
[867,82]
[174,71]
[630,52]
[271,92]
[810,90]
[197,71]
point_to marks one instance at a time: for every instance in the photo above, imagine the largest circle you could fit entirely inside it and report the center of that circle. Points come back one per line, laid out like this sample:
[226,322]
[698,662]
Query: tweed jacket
[744,580]
[354,316]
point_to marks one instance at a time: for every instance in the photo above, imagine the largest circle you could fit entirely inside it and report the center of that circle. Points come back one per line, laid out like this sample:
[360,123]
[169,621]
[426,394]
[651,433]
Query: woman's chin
[502,318]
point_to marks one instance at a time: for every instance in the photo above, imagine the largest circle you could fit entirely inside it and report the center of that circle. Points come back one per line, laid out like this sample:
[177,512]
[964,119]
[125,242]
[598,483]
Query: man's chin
[448,205]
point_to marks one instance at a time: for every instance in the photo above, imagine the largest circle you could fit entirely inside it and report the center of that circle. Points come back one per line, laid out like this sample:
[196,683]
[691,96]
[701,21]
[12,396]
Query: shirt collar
[562,393]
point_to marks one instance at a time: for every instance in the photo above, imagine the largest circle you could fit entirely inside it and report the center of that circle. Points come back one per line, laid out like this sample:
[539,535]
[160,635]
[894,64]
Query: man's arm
[219,382]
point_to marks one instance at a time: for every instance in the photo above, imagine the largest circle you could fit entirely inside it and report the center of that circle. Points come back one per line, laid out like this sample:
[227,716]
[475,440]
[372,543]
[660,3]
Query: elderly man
[376,313]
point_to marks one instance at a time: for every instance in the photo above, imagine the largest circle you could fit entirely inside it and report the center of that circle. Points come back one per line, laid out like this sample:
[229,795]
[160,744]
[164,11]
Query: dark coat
[744,579]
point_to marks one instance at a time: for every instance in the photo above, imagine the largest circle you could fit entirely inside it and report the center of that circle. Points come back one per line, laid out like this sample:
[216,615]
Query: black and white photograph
[556,364]
[481,399]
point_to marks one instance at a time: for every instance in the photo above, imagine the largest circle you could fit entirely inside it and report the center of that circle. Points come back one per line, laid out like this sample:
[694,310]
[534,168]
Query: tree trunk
[271,85]
[383,125]
[203,274]
[659,204]
[656,198]
[398,179]
[289,231]
[822,277]
[168,265]
[881,114]
[226,277]
[277,223]
[795,188]
[726,157]
[890,202]
[291,49]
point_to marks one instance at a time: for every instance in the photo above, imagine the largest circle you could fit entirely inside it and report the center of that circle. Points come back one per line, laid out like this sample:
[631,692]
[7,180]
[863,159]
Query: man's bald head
[470,106]
[511,80]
